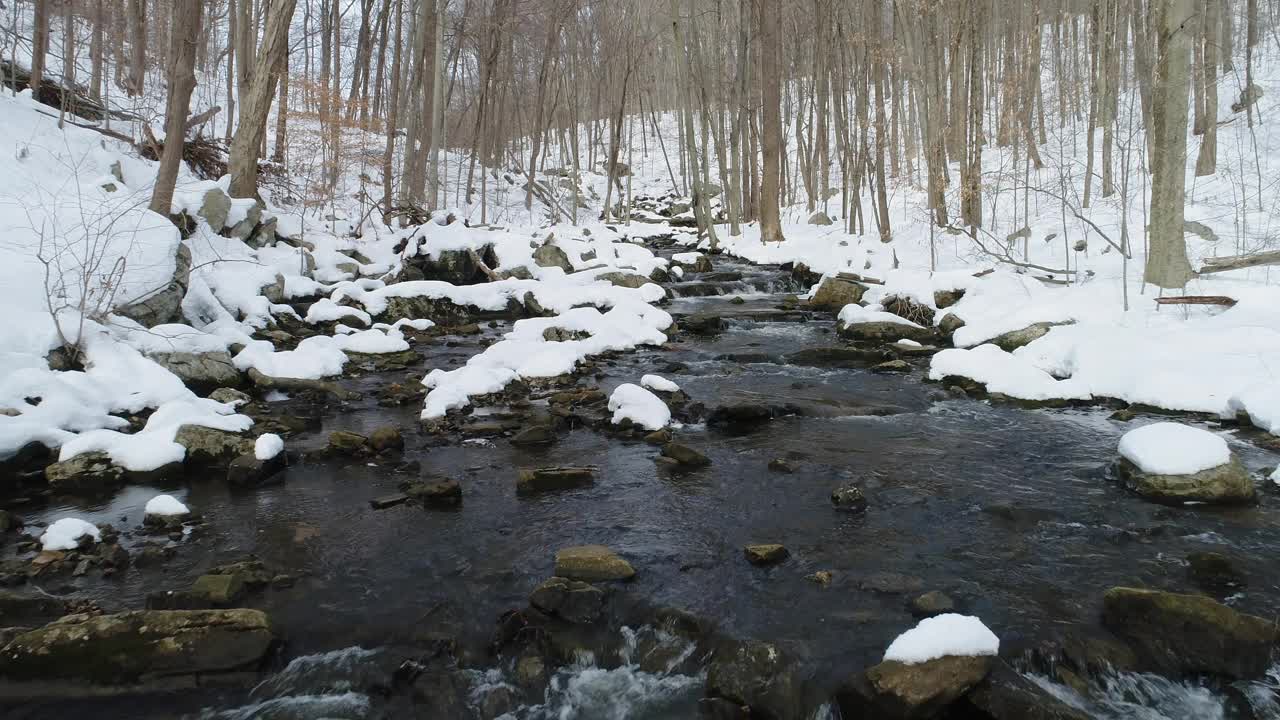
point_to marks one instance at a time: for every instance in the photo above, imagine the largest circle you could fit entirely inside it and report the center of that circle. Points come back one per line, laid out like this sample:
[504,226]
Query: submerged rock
[137,646]
[535,480]
[443,492]
[765,554]
[1190,633]
[1215,572]
[345,442]
[386,438]
[591,563]
[848,498]
[1008,695]
[685,455]
[760,677]
[932,603]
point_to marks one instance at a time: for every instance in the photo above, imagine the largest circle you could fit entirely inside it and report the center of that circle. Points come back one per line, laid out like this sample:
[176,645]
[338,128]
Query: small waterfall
[1144,696]
[323,685]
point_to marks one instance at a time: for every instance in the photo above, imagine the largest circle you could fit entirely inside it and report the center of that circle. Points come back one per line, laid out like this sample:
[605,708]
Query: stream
[1007,510]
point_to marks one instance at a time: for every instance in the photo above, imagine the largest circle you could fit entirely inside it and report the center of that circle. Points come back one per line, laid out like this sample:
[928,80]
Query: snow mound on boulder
[1167,448]
[657,383]
[165,506]
[854,314]
[634,403]
[65,534]
[267,446]
[943,635]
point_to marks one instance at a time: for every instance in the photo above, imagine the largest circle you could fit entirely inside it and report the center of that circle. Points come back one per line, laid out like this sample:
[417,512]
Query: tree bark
[254,106]
[768,15]
[183,38]
[1167,265]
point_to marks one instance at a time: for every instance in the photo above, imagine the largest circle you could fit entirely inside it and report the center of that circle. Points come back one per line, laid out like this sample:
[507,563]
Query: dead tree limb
[1239,262]
[1196,300]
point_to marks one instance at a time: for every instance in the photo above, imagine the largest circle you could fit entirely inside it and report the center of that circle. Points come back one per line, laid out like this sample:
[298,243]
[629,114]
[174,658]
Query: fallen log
[1239,262]
[1196,300]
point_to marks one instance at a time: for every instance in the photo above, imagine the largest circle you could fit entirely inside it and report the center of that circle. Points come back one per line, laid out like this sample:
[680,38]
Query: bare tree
[183,39]
[256,103]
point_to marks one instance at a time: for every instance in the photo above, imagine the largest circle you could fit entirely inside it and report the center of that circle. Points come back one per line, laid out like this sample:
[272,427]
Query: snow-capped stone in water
[267,446]
[65,534]
[165,506]
[943,635]
[1177,463]
[657,383]
[634,403]
[1275,476]
[1167,448]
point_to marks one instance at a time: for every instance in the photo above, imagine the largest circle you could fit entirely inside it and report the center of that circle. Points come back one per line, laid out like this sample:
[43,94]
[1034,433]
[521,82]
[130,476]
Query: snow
[943,635]
[153,446]
[314,358]
[658,383]
[64,534]
[1260,403]
[372,341]
[907,342]
[686,258]
[1168,448]
[267,446]
[326,310]
[854,314]
[1275,475]
[634,403]
[1005,373]
[165,506]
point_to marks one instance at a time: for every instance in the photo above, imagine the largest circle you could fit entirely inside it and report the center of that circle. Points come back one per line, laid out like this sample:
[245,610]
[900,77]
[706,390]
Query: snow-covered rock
[267,446]
[657,383]
[1171,462]
[165,506]
[634,403]
[943,635]
[65,534]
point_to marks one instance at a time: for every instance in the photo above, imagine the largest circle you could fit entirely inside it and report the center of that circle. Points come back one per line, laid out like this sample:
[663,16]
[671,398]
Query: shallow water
[939,474]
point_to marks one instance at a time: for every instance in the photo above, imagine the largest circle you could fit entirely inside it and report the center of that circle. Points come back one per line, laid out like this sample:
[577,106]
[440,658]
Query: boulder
[757,675]
[444,492]
[1176,633]
[932,603]
[685,455]
[765,554]
[1215,573]
[535,435]
[741,417]
[882,331]
[535,480]
[1227,483]
[209,446]
[219,590]
[18,609]
[244,229]
[214,208]
[949,324]
[819,218]
[552,256]
[618,278]
[345,442]
[1006,694]
[591,563]
[136,646]
[898,691]
[572,600]
[1015,339]
[702,324]
[230,395]
[457,267]
[943,299]
[163,305]
[836,292]
[248,471]
[202,372]
[387,437]
[848,498]
[86,472]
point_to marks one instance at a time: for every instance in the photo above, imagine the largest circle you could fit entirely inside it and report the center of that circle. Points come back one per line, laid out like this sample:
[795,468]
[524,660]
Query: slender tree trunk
[254,106]
[183,38]
[39,45]
[1167,264]
[768,14]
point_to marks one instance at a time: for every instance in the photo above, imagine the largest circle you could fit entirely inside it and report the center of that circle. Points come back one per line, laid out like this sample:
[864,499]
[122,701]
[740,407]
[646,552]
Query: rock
[1006,694]
[780,465]
[891,583]
[685,455]
[457,267]
[445,492]
[819,218]
[214,208]
[897,691]
[892,366]
[932,603]
[618,278]
[1228,483]
[1015,339]
[243,229]
[943,299]
[134,646]
[552,256]
[757,675]
[702,324]
[881,331]
[1200,230]
[592,563]
[9,521]
[765,554]
[848,498]
[165,304]
[821,577]
[1190,633]
[248,471]
[741,417]
[531,672]
[345,442]
[230,395]
[535,435]
[949,324]
[223,590]
[18,609]
[835,292]
[385,501]
[839,357]
[658,437]
[253,573]
[534,480]
[386,438]
[572,600]
[208,446]
[202,372]
[86,472]
[1214,573]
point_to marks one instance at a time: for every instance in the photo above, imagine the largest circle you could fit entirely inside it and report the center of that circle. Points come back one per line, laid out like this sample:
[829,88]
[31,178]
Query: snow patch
[657,383]
[267,446]
[1167,448]
[943,635]
[65,534]
[165,506]
[634,403]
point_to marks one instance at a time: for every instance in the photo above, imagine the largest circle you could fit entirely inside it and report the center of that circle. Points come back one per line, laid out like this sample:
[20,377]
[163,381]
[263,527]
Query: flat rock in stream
[883,331]
[536,480]
[248,470]
[897,691]
[591,563]
[86,472]
[684,455]
[1177,633]
[763,554]
[836,357]
[571,600]
[116,651]
[442,492]
[209,446]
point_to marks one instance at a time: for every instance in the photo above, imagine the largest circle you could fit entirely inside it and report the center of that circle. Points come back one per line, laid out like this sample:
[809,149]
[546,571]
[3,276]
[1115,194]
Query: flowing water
[1007,510]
